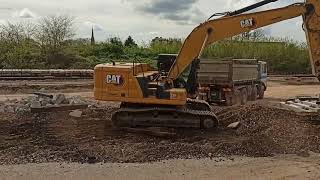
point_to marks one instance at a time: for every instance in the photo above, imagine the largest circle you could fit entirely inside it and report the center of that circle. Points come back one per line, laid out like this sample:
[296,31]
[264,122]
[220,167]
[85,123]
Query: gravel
[57,137]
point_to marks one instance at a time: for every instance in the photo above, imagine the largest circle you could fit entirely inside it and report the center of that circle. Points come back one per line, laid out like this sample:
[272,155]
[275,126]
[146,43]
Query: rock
[44,101]
[10,109]
[35,104]
[59,99]
[21,109]
[2,109]
[30,99]
[234,125]
[92,160]
[76,100]
[76,113]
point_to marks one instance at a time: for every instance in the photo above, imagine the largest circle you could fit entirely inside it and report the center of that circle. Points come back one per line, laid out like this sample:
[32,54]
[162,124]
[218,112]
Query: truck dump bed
[227,72]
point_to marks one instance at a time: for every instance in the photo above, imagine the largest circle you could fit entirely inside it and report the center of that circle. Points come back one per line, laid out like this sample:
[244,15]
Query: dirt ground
[279,167]
[89,148]
[283,90]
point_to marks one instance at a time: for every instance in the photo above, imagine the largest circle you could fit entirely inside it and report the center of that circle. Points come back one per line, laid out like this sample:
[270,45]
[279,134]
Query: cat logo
[247,23]
[115,79]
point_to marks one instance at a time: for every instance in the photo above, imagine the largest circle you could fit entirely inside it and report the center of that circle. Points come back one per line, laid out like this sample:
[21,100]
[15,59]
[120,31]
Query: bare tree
[18,32]
[54,30]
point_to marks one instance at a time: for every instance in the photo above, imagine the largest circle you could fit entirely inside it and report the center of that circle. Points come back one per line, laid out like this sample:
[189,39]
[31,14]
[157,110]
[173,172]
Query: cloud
[154,33]
[26,13]
[179,11]
[2,22]
[95,26]
[237,4]
[3,8]
[139,17]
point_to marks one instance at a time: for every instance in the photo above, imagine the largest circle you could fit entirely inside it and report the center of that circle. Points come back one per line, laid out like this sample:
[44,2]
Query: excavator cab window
[164,62]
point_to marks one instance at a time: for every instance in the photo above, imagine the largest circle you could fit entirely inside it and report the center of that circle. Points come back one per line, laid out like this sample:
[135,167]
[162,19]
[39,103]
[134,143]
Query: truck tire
[261,92]
[233,98]
[244,96]
[237,100]
[254,93]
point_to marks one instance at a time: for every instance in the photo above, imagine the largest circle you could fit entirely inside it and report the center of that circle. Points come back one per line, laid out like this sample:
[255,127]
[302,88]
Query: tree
[115,41]
[18,32]
[17,46]
[54,30]
[114,47]
[52,33]
[130,42]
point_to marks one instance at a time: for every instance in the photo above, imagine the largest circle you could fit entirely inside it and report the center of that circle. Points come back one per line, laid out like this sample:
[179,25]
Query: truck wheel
[244,96]
[254,93]
[237,99]
[261,92]
[249,92]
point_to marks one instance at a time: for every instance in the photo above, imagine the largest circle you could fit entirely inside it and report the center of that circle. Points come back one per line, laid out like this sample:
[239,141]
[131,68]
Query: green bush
[283,56]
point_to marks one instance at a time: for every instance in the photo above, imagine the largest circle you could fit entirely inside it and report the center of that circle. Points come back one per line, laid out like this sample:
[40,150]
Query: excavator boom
[229,26]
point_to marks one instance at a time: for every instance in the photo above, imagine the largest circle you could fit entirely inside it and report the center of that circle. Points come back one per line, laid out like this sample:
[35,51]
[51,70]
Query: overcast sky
[142,19]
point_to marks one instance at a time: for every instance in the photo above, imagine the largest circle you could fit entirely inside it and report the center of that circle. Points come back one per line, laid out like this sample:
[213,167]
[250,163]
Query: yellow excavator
[150,97]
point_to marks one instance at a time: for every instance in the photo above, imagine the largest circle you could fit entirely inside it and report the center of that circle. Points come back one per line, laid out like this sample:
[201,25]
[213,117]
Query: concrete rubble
[305,104]
[76,113]
[38,101]
[234,125]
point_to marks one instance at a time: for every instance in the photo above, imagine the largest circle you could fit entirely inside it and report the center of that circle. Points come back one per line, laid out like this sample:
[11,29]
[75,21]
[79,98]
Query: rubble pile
[88,137]
[39,100]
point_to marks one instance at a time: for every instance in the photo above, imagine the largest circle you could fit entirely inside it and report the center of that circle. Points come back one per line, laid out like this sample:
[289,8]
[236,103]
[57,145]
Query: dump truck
[224,81]
[231,81]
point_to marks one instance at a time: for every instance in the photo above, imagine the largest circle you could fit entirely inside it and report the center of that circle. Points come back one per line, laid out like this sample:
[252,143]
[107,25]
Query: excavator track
[195,114]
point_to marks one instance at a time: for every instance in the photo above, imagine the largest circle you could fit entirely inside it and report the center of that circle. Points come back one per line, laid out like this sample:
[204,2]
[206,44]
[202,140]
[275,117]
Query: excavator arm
[231,25]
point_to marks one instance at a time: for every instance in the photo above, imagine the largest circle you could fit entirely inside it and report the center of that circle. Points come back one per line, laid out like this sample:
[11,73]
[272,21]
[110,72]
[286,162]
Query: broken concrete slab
[40,102]
[59,99]
[76,113]
[35,104]
[234,125]
[76,100]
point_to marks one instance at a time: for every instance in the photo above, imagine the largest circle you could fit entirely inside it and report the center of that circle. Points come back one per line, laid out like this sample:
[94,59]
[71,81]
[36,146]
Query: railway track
[45,74]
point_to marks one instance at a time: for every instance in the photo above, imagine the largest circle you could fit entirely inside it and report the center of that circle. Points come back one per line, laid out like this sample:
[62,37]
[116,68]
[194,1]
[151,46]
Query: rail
[44,74]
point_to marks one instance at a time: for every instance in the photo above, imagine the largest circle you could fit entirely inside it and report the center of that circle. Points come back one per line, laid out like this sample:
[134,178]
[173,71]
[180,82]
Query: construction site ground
[270,143]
